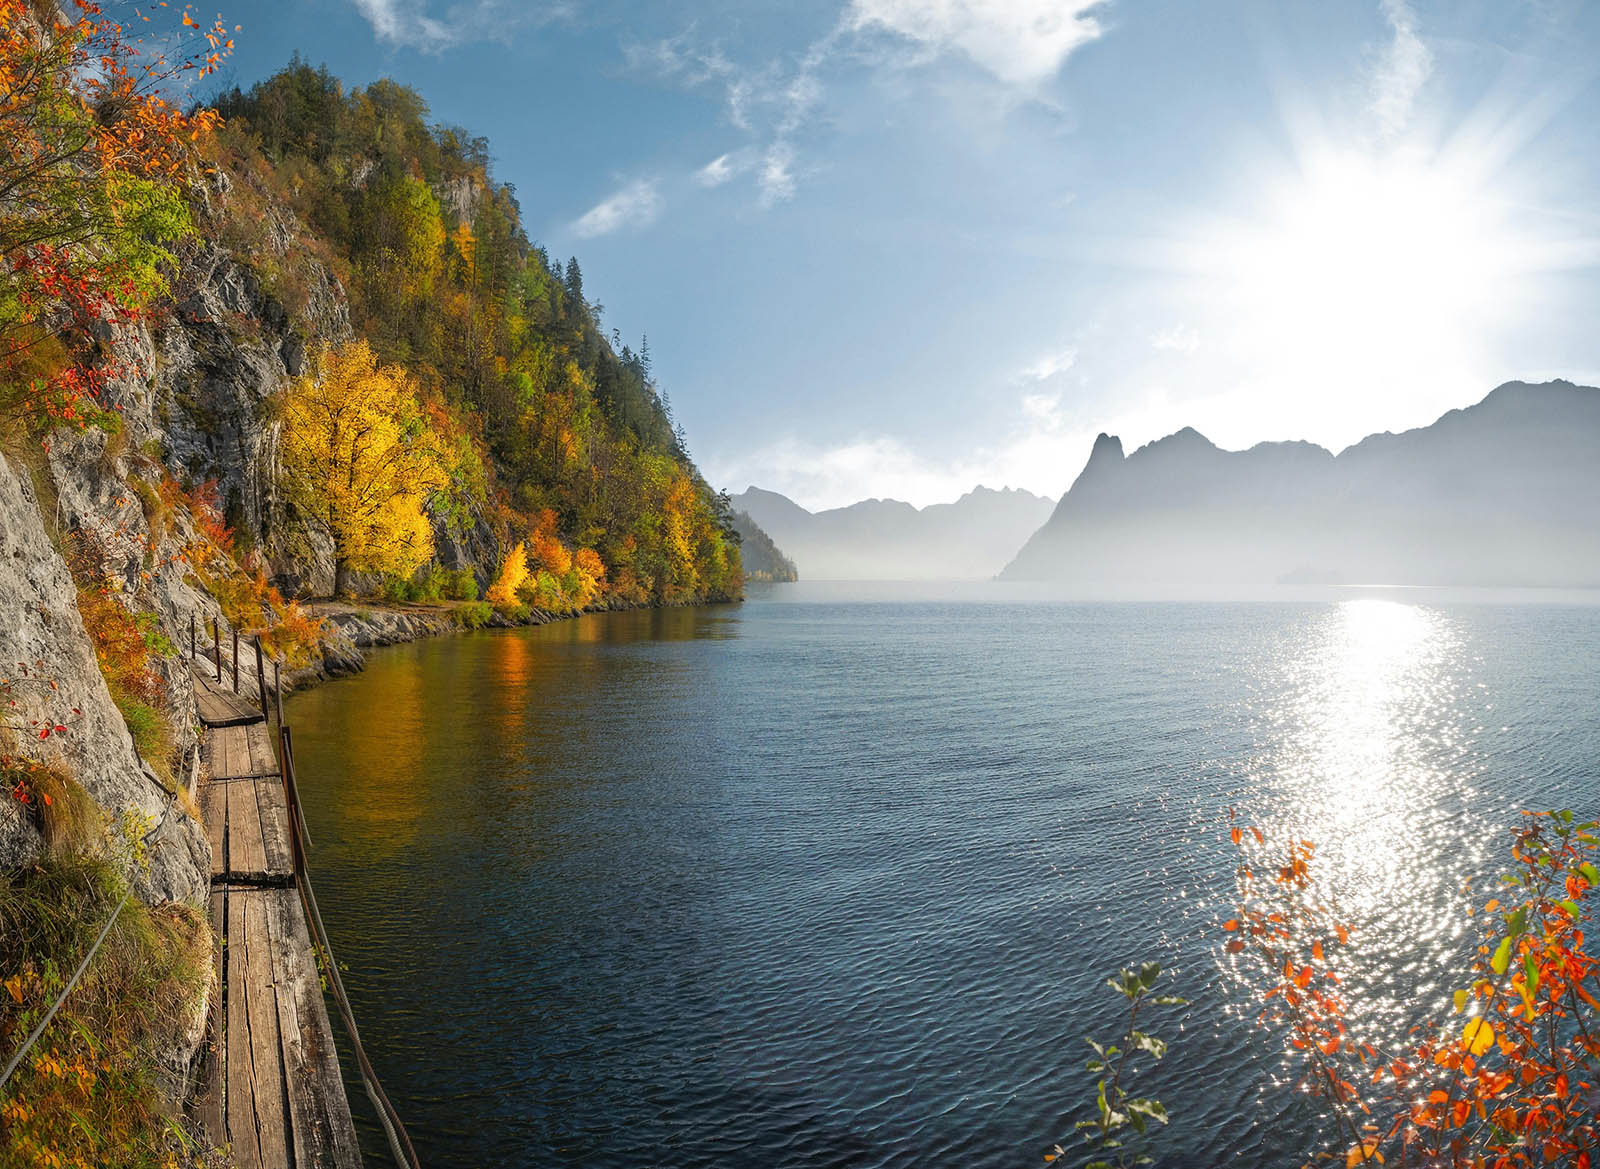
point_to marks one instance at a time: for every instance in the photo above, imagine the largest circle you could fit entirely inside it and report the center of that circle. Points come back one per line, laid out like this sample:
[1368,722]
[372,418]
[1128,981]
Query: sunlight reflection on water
[1370,767]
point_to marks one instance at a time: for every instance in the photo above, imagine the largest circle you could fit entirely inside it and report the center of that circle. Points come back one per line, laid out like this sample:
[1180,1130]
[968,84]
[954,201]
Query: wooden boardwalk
[271,1090]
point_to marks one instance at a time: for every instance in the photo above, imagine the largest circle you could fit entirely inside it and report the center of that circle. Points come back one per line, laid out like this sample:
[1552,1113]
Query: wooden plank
[324,1134]
[268,1086]
[246,853]
[273,816]
[238,750]
[263,759]
[231,755]
[214,814]
[243,1133]
[220,708]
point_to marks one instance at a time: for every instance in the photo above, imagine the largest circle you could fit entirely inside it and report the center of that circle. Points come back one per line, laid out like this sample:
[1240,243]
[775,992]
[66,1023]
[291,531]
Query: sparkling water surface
[830,879]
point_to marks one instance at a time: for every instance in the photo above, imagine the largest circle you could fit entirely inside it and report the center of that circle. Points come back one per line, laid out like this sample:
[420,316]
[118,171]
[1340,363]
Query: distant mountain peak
[889,539]
[1107,448]
[1185,440]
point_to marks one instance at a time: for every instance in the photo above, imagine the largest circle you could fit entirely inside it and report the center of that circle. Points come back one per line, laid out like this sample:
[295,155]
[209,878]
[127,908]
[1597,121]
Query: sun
[1389,258]
[1358,289]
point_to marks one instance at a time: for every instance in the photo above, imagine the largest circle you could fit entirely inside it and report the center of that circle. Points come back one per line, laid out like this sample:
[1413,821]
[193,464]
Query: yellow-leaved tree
[359,462]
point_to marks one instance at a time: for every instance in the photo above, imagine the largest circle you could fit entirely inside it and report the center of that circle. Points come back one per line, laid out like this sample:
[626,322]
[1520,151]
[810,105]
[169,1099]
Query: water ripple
[826,884]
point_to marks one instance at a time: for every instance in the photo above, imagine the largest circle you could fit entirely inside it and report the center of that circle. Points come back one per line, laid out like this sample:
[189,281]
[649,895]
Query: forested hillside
[763,560]
[549,436]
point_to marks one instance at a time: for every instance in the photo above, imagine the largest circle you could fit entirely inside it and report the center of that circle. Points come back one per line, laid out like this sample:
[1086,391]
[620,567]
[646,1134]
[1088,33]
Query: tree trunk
[341,575]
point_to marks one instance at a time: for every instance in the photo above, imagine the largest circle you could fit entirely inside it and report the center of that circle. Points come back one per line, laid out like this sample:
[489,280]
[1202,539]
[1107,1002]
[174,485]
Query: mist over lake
[829,879]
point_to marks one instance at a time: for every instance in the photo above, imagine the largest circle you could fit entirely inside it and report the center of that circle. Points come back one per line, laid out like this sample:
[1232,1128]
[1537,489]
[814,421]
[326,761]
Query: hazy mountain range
[885,539]
[1502,493]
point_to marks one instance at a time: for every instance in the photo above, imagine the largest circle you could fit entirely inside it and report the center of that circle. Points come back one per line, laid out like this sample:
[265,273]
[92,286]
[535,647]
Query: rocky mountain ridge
[1499,493]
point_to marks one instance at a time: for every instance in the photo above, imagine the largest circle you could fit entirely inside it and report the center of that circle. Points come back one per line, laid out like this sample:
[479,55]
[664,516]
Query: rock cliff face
[1498,494]
[193,403]
[54,680]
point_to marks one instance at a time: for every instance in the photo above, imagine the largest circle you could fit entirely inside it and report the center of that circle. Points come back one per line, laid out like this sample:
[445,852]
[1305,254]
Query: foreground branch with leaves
[1511,1080]
[1116,1109]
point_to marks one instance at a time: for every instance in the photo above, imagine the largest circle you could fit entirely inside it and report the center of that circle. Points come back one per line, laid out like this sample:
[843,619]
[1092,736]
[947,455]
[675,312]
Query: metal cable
[33,1036]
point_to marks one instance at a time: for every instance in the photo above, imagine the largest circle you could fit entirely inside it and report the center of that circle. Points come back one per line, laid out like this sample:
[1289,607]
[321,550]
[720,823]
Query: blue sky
[901,247]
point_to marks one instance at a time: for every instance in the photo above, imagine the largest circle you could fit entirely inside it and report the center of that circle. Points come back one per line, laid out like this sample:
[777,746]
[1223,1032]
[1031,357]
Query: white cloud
[719,170]
[1051,365]
[635,205]
[1021,42]
[1401,70]
[776,177]
[407,22]
[1179,338]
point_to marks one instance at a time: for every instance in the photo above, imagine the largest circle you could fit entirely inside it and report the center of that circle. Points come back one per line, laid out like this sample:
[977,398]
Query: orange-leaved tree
[1513,1080]
[92,154]
[358,462]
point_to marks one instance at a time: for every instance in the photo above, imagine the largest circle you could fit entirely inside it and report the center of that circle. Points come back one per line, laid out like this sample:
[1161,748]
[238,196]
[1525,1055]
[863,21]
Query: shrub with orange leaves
[545,549]
[1516,1082]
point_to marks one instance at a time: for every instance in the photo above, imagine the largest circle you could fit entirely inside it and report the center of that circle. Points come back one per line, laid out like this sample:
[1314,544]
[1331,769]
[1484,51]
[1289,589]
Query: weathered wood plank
[273,815]
[263,759]
[214,814]
[218,707]
[324,1133]
[242,1129]
[247,855]
[269,1087]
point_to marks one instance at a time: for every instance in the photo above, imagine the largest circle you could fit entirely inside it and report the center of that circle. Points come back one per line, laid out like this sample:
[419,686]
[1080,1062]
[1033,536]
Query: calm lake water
[828,879]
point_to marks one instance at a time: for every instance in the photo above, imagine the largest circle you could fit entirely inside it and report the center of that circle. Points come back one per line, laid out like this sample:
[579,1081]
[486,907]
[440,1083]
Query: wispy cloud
[1020,42]
[776,104]
[722,169]
[776,178]
[1050,365]
[405,22]
[635,205]
[1401,70]
[409,22]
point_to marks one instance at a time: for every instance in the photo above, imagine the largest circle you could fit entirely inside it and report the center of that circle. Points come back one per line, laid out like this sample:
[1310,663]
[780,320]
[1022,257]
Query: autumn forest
[536,422]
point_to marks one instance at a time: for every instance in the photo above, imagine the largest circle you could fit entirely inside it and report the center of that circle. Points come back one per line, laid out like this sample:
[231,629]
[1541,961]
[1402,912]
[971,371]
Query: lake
[834,879]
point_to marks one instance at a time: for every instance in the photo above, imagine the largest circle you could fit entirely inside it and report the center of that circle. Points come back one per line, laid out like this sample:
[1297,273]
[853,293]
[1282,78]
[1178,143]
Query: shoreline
[355,627]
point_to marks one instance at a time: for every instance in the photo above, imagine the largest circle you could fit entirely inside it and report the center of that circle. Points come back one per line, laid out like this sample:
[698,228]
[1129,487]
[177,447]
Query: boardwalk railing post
[277,691]
[236,661]
[216,640]
[261,682]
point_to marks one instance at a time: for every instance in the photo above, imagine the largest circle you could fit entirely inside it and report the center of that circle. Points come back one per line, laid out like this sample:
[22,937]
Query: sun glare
[1393,252]
[1362,287]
